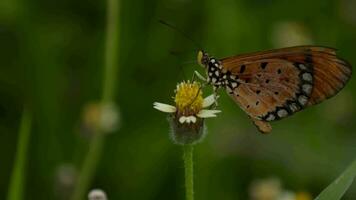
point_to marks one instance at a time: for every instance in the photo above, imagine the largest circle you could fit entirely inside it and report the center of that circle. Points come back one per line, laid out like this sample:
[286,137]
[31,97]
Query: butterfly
[274,84]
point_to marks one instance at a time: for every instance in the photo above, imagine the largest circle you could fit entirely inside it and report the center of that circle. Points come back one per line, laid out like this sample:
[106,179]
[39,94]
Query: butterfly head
[203,59]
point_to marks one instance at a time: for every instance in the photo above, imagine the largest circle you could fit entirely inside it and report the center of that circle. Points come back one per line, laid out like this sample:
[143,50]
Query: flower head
[99,116]
[188,98]
[97,194]
[188,114]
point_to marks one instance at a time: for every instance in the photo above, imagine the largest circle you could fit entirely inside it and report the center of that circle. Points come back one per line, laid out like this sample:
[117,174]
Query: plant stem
[15,191]
[89,166]
[111,50]
[108,92]
[188,168]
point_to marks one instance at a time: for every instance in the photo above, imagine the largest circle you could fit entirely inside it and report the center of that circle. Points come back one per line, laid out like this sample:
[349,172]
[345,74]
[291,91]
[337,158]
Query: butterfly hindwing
[270,89]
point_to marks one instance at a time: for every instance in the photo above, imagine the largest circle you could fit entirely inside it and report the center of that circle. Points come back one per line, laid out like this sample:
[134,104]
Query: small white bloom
[207,113]
[97,194]
[189,104]
[164,107]
[110,117]
[186,117]
[286,195]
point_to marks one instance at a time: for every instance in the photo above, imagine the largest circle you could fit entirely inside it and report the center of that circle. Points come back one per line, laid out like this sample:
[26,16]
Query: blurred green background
[52,58]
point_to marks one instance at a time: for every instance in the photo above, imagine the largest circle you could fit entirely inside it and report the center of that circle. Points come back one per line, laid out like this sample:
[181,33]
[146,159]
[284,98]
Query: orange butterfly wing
[276,83]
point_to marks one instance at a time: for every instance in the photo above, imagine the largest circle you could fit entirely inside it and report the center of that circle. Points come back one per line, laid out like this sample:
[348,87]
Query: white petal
[182,119]
[207,113]
[209,100]
[193,119]
[187,119]
[164,107]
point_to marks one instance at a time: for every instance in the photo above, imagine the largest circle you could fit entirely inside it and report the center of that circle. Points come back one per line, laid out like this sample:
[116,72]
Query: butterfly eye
[199,58]
[203,59]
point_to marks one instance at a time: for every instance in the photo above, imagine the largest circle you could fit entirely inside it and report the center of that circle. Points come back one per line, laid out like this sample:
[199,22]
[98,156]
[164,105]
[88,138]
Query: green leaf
[338,188]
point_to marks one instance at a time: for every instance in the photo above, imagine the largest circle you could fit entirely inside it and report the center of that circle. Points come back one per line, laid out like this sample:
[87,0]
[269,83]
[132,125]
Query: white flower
[202,113]
[105,117]
[97,194]
[186,117]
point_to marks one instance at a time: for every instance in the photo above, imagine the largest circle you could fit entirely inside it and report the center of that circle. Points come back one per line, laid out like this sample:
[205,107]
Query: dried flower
[104,117]
[65,179]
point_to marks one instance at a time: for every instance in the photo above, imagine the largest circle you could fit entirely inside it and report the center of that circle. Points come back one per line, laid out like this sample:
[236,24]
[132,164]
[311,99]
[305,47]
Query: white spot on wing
[307,88]
[302,100]
[270,117]
[282,113]
[293,107]
[307,77]
[302,67]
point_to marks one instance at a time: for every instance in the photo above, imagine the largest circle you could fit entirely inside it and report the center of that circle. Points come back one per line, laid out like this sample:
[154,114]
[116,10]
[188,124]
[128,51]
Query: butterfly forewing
[330,76]
[277,83]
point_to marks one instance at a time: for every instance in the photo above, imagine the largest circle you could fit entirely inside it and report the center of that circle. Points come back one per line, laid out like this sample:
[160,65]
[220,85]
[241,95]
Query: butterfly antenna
[183,73]
[189,62]
[181,32]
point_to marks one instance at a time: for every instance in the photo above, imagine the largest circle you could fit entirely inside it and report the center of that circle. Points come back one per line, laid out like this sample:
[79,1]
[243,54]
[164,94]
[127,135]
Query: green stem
[111,50]
[89,166]
[108,91]
[18,174]
[188,168]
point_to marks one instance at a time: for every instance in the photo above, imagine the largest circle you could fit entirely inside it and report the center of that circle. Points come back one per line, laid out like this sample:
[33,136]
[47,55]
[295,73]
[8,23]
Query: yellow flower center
[189,98]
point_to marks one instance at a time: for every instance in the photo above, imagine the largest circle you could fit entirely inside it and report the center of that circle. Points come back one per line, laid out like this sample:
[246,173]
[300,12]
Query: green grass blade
[15,191]
[338,188]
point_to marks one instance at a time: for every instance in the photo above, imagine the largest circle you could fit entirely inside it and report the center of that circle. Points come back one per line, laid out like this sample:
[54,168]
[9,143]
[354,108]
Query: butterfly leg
[216,96]
[201,77]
